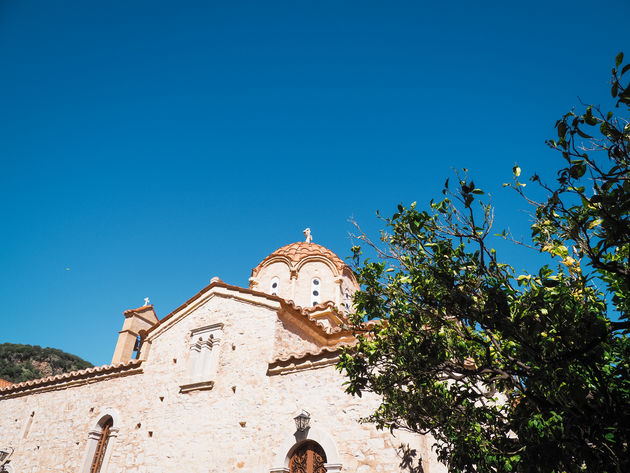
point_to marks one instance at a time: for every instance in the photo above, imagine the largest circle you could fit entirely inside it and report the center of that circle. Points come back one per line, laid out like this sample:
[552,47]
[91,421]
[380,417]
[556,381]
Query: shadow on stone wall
[410,460]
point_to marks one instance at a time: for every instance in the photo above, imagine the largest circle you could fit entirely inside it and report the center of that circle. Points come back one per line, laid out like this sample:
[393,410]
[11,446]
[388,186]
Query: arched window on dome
[315,291]
[273,287]
[346,300]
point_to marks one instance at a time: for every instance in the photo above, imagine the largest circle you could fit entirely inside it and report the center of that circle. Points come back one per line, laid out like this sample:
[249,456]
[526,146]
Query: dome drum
[307,274]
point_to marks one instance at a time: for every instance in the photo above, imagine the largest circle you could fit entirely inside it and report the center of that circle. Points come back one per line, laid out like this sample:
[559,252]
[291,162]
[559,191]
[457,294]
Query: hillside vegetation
[24,362]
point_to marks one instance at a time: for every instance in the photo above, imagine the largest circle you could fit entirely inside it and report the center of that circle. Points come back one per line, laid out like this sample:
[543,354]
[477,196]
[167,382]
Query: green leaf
[582,134]
[577,170]
[619,59]
[590,119]
[545,340]
[562,129]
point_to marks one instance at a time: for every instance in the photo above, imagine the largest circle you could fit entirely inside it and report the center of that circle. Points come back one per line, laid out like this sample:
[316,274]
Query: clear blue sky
[149,146]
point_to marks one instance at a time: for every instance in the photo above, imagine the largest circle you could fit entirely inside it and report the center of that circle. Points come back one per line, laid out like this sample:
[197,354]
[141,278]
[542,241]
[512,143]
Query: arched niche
[293,442]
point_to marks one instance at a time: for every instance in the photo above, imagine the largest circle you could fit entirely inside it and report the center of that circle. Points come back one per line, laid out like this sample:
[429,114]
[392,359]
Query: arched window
[136,348]
[309,457]
[346,298]
[315,292]
[101,441]
[101,445]
[273,288]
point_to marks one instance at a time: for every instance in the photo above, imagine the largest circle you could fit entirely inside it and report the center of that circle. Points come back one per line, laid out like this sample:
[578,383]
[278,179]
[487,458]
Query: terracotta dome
[296,252]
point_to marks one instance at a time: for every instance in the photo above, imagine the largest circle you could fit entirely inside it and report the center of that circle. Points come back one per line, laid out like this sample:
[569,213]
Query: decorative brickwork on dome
[296,252]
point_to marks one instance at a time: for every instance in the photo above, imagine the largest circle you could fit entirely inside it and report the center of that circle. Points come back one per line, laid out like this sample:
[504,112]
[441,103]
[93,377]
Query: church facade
[234,380]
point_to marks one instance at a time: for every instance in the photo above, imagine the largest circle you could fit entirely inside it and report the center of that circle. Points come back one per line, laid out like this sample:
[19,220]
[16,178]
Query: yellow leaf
[516,170]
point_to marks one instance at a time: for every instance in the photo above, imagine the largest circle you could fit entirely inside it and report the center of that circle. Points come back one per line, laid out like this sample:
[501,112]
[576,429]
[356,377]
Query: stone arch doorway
[308,457]
[292,444]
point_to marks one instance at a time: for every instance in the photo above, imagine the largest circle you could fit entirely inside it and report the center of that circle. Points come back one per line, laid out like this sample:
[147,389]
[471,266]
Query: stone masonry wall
[237,426]
[291,338]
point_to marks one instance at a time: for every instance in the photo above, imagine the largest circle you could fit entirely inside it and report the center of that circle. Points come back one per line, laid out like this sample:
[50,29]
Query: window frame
[316,284]
[107,416]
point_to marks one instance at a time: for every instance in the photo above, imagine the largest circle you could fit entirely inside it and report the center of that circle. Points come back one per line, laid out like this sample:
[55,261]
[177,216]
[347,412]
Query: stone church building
[234,380]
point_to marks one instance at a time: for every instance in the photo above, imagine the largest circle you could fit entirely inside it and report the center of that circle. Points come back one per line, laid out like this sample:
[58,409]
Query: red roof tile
[59,378]
[4,383]
[296,252]
[306,353]
[139,309]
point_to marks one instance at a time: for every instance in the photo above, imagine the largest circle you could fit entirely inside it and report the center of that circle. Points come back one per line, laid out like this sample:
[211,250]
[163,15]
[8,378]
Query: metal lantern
[302,421]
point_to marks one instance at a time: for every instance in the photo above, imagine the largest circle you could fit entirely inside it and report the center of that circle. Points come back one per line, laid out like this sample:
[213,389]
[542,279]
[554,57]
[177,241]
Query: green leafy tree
[17,362]
[509,371]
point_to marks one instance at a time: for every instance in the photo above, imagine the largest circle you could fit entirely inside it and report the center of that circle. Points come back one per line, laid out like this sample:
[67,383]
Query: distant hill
[24,362]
